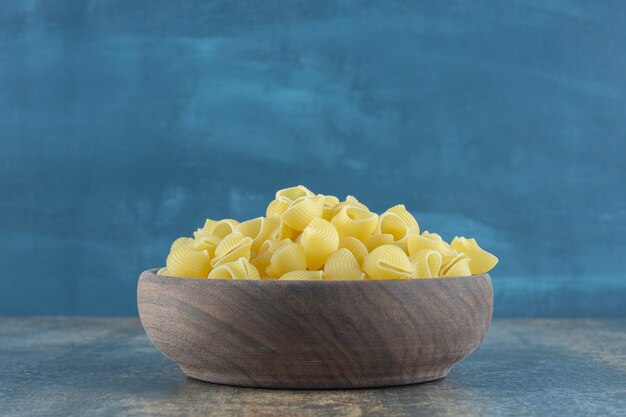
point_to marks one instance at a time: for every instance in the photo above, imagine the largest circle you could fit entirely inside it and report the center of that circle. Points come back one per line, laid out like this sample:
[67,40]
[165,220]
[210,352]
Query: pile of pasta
[308,236]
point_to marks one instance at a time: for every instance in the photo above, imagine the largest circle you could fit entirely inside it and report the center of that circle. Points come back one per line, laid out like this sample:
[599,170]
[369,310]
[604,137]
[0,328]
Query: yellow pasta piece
[342,265]
[287,258]
[259,230]
[302,276]
[239,269]
[224,227]
[427,263]
[457,267]
[232,247]
[427,240]
[275,208]
[405,215]
[356,222]
[355,246]
[180,242]
[330,202]
[163,271]
[188,263]
[262,260]
[377,240]
[283,232]
[391,224]
[291,194]
[209,225]
[349,202]
[302,211]
[319,240]
[206,242]
[481,261]
[388,262]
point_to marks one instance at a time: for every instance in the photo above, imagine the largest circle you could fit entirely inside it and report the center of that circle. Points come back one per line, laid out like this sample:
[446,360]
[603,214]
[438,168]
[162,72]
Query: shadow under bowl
[315,334]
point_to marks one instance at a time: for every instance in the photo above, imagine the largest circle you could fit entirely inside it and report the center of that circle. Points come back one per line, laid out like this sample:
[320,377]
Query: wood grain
[306,334]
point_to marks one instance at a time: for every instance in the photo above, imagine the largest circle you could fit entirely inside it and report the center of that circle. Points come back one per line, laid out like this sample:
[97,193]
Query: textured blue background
[125,124]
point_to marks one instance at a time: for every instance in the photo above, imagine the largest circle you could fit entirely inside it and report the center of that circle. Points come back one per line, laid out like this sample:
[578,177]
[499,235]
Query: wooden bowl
[315,334]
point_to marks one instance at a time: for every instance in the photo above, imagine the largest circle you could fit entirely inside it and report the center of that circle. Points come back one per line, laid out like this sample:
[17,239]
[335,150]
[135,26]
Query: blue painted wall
[125,124]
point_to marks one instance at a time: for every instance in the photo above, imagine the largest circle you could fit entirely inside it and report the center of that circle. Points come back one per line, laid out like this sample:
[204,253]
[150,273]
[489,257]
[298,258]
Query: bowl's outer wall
[306,334]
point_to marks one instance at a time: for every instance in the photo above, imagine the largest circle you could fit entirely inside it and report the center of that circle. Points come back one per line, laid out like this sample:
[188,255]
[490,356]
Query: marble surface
[56,366]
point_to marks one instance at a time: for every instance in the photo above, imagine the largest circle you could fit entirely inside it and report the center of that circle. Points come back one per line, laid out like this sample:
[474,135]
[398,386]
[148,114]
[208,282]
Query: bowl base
[312,383]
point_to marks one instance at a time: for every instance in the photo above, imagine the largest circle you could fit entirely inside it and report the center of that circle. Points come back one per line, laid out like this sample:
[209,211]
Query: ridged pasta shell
[457,267]
[481,261]
[330,202]
[163,271]
[342,265]
[350,201]
[180,242]
[259,230]
[187,262]
[417,242]
[206,242]
[239,269]
[291,194]
[302,211]
[355,222]
[427,263]
[302,276]
[319,240]
[283,232]
[377,240]
[355,246]
[388,262]
[287,258]
[275,208]
[392,224]
[262,260]
[406,216]
[231,248]
[224,227]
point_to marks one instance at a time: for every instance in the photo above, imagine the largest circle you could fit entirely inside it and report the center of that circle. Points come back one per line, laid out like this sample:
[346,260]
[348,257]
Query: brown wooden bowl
[315,334]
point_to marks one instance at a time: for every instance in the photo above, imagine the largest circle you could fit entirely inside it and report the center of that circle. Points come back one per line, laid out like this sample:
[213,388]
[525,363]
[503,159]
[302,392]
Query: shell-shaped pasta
[342,265]
[188,263]
[356,222]
[406,216]
[232,247]
[330,202]
[283,232]
[417,242]
[287,258]
[319,240]
[457,267]
[259,230]
[350,201]
[388,262]
[239,269]
[377,240]
[291,194]
[163,271]
[262,260]
[302,211]
[391,224]
[206,242]
[432,236]
[180,242]
[209,225]
[275,208]
[224,227]
[427,263]
[302,276]
[481,261]
[355,246]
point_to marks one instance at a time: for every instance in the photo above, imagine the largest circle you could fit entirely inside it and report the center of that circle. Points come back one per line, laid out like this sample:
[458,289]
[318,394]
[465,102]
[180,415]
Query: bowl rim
[153,273]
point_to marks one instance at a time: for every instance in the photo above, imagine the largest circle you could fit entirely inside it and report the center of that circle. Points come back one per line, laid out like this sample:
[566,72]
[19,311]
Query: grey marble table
[107,367]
